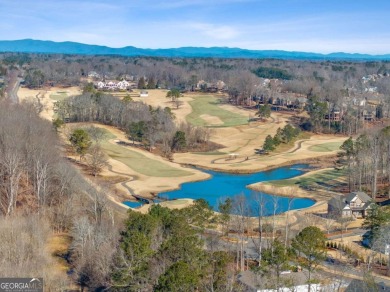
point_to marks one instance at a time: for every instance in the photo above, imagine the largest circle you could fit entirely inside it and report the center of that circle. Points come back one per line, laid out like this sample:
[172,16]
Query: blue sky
[293,25]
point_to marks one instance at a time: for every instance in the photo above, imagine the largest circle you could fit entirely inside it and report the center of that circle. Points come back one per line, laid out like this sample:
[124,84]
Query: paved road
[349,271]
[351,232]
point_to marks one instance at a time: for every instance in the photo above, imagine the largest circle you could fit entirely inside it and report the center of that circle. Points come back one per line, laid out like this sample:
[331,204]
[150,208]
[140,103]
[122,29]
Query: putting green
[60,95]
[210,105]
[326,147]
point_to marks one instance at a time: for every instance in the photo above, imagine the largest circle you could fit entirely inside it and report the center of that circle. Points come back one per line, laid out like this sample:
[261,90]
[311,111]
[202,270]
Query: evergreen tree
[311,243]
[275,257]
[151,83]
[264,111]
[225,208]
[349,151]
[80,141]
[278,138]
[375,218]
[173,94]
[136,131]
[268,145]
[316,110]
[141,83]
[179,140]
[160,251]
[289,133]
[178,278]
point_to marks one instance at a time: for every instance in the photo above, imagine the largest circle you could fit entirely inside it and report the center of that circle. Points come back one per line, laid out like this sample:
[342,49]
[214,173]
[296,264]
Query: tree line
[43,196]
[282,136]
[186,72]
[367,160]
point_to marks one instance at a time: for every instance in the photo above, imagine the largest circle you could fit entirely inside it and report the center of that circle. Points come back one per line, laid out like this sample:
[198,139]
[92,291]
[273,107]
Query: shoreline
[319,200]
[312,162]
[315,162]
[150,187]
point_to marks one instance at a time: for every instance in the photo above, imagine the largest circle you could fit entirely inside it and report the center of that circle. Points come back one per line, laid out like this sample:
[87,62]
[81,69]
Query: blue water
[223,185]
[137,204]
[133,204]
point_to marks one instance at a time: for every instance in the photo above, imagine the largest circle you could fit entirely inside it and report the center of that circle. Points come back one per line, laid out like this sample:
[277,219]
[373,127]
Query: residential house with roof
[93,74]
[335,114]
[113,85]
[355,204]
[123,85]
[100,85]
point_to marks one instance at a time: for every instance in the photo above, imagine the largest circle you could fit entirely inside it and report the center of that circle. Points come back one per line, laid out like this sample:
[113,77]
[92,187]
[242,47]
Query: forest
[43,196]
[342,96]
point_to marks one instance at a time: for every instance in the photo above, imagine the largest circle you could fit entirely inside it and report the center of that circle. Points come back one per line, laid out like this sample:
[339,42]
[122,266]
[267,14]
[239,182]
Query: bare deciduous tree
[96,159]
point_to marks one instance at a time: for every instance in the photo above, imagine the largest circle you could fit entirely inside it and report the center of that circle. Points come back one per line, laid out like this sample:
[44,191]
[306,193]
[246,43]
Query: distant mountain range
[37,46]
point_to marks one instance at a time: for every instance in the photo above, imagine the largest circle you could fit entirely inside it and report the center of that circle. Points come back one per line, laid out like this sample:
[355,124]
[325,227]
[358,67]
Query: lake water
[226,185]
[132,204]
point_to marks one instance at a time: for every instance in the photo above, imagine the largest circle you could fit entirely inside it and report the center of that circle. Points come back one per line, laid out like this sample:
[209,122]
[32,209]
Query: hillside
[38,46]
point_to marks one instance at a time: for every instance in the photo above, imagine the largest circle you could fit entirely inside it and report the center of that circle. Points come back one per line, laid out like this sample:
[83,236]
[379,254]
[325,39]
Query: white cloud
[320,45]
[218,32]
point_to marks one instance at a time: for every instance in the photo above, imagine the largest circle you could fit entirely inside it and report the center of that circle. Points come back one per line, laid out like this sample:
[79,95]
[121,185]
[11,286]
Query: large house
[355,204]
[210,87]
[113,85]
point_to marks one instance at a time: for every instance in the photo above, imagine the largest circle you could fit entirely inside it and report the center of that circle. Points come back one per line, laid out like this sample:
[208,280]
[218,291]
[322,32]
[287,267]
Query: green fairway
[210,105]
[326,147]
[325,178]
[139,162]
[60,95]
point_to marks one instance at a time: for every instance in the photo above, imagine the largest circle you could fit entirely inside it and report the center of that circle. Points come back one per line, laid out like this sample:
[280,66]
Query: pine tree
[268,144]
[151,83]
[141,83]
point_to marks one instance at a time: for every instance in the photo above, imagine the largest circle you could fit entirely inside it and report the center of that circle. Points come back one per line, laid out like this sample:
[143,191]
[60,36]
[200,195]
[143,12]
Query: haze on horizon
[352,26]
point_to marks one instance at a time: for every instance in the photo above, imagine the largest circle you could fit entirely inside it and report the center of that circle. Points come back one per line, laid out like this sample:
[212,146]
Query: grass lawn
[139,162]
[284,147]
[60,95]
[122,94]
[177,202]
[209,105]
[239,164]
[326,147]
[325,178]
[209,153]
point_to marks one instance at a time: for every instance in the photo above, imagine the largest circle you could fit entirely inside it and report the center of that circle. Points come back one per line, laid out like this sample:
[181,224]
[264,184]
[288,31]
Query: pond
[133,204]
[226,185]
